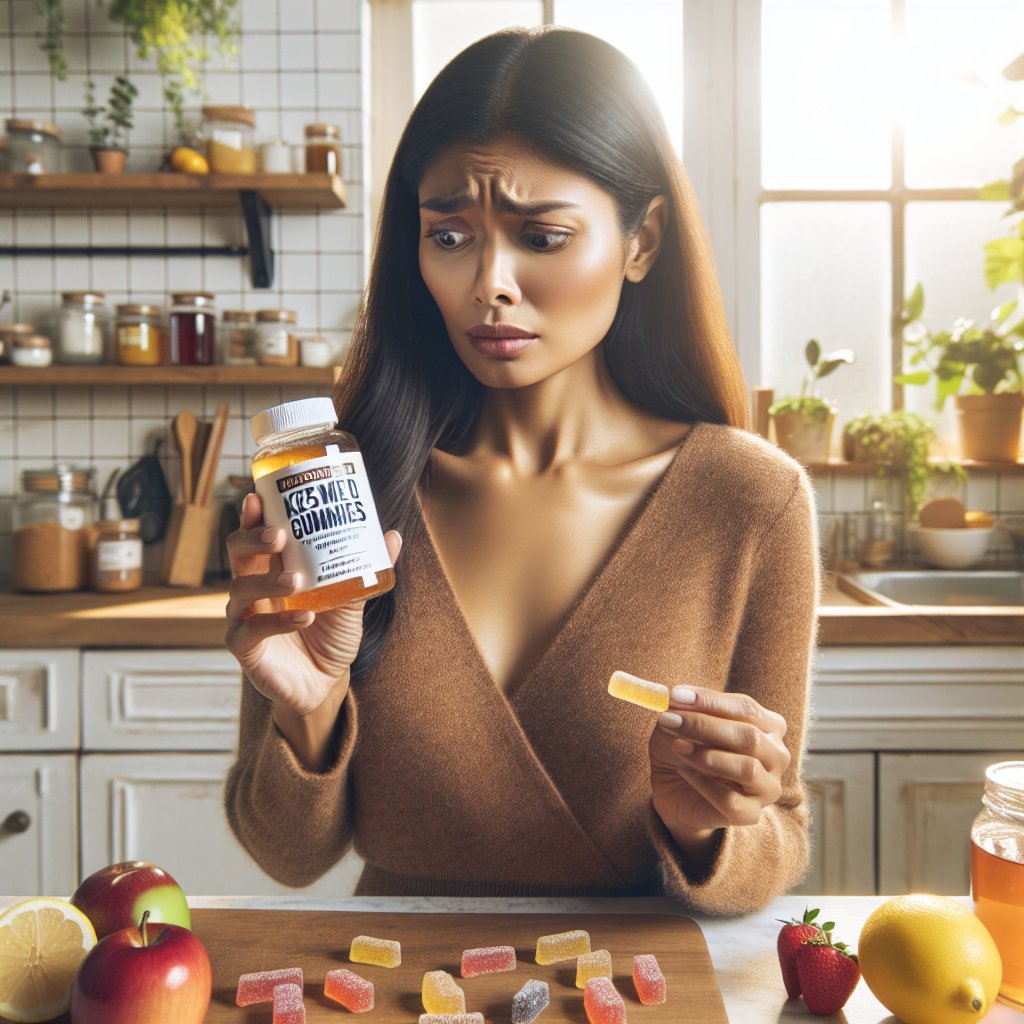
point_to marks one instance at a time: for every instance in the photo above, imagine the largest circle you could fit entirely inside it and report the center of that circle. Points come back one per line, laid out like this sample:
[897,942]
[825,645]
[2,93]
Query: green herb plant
[109,123]
[52,42]
[808,403]
[967,358]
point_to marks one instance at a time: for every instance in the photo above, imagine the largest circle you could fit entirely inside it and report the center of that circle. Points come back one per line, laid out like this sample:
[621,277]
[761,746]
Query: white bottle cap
[306,412]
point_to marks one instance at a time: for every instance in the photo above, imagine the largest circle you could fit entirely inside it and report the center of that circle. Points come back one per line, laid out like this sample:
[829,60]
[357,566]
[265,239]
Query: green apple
[116,896]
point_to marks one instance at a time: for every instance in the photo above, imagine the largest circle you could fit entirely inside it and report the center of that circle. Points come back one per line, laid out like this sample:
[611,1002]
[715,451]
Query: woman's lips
[501,340]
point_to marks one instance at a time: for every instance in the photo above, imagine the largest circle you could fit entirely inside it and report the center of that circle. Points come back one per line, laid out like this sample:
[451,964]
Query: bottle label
[118,555]
[327,509]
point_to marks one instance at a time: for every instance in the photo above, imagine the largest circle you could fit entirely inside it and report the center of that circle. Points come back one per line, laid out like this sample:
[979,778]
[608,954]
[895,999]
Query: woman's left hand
[716,760]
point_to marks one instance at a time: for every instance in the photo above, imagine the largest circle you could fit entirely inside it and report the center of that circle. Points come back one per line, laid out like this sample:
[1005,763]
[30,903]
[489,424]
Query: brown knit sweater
[447,786]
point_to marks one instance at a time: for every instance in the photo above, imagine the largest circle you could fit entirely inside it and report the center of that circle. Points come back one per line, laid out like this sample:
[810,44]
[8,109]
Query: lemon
[189,161]
[42,942]
[929,960]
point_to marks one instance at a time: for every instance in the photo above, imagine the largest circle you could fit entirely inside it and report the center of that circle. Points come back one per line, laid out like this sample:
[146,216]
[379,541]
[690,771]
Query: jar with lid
[997,871]
[323,149]
[31,350]
[312,482]
[117,556]
[227,132]
[83,321]
[8,334]
[237,337]
[192,334]
[53,519]
[139,334]
[33,147]
[276,342]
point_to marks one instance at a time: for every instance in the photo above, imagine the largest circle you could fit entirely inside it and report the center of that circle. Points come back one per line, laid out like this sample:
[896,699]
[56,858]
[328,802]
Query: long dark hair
[576,101]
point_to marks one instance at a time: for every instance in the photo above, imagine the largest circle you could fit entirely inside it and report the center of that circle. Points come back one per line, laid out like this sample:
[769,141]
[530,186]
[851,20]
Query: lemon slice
[42,942]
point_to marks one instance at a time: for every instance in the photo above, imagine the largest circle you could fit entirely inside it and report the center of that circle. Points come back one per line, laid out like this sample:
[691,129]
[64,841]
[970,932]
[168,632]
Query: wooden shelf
[843,468]
[202,376]
[163,190]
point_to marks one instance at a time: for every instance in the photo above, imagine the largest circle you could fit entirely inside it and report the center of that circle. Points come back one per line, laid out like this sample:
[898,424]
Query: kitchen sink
[966,587]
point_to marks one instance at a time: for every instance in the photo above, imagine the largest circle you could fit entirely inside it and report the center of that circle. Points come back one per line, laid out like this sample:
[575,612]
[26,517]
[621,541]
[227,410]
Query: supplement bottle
[312,482]
[997,871]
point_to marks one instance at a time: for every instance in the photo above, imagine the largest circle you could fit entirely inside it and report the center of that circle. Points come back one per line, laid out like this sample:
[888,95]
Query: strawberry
[828,974]
[793,934]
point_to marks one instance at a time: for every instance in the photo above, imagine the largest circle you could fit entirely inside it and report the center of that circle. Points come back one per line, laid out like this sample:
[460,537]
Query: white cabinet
[841,792]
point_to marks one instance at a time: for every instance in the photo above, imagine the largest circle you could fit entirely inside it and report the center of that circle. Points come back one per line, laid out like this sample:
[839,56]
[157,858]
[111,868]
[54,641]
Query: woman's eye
[547,241]
[445,238]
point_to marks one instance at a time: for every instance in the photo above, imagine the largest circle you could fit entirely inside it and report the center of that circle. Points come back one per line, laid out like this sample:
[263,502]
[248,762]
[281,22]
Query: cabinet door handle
[16,821]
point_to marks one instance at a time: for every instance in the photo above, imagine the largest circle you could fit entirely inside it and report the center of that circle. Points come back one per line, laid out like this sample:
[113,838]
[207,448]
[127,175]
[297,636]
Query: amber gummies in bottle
[312,482]
[997,871]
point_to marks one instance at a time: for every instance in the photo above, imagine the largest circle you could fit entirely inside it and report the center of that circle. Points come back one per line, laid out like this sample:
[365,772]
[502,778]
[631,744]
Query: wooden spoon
[185,435]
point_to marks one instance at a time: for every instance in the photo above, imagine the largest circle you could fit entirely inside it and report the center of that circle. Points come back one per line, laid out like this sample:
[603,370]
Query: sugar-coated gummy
[487,960]
[441,994]
[530,1001]
[648,980]
[366,949]
[639,691]
[597,964]
[562,946]
[288,1005]
[452,1018]
[349,989]
[258,987]
[602,1002]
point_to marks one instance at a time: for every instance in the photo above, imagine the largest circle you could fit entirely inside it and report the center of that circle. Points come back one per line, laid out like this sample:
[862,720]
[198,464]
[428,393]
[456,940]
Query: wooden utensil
[185,436]
[241,941]
[211,457]
[203,430]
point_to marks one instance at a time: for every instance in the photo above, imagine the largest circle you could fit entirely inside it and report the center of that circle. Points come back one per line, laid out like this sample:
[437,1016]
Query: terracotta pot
[109,161]
[805,438]
[988,426]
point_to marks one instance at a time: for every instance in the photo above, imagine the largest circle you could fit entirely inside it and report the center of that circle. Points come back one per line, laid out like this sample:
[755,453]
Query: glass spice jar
[276,343]
[31,350]
[139,335]
[8,334]
[227,132]
[323,149]
[33,147]
[80,337]
[53,517]
[237,337]
[192,333]
[997,871]
[117,556]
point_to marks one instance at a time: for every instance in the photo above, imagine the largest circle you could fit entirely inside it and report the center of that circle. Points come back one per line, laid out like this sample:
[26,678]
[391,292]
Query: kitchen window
[836,147]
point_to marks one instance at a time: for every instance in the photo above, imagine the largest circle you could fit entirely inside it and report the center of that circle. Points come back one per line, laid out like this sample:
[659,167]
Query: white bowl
[952,548]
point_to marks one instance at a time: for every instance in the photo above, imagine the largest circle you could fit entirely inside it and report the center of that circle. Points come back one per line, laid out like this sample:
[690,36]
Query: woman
[550,407]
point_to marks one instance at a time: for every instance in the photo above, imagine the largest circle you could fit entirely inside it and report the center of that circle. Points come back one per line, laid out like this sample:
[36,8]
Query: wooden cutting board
[241,941]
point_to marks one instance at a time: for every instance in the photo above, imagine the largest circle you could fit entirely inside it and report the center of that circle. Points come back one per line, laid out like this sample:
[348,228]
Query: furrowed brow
[456,203]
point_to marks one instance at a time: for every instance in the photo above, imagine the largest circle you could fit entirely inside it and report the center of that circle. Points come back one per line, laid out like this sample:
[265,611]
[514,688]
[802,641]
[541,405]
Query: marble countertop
[742,949]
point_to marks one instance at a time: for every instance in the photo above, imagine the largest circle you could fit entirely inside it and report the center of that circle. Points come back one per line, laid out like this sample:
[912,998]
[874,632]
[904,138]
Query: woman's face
[524,258]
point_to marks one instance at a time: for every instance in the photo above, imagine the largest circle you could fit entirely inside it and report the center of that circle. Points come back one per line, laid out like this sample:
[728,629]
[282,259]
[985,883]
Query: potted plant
[803,423]
[980,369]
[109,124]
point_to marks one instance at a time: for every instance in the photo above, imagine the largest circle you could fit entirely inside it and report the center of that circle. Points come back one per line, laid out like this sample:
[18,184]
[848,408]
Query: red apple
[115,897]
[153,974]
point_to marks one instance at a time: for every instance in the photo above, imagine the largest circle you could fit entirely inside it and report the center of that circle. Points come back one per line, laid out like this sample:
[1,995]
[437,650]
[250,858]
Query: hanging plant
[52,43]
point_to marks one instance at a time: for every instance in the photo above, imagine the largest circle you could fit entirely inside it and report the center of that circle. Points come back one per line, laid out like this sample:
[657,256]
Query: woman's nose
[496,283]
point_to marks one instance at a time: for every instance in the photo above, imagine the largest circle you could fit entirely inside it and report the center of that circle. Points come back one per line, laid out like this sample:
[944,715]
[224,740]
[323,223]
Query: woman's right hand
[295,659]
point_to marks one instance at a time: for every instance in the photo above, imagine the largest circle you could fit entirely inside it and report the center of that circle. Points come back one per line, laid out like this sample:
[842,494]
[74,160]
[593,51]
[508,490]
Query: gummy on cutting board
[366,949]
[441,995]
[597,964]
[258,987]
[638,691]
[603,1003]
[288,1005]
[488,960]
[648,979]
[562,946]
[349,989]
[451,1018]
[529,1001]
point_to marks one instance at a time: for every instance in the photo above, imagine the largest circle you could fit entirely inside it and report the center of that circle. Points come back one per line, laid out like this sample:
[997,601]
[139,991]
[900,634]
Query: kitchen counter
[742,949]
[177,617]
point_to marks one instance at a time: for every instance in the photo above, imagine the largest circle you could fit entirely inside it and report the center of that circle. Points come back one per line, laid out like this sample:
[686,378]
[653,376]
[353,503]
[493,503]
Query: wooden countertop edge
[170,617]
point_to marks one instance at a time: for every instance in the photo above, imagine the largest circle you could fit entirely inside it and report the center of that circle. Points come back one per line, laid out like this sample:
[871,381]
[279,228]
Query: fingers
[736,808]
[739,707]
[745,774]
[253,546]
[695,732]
[243,635]
[246,591]
[393,542]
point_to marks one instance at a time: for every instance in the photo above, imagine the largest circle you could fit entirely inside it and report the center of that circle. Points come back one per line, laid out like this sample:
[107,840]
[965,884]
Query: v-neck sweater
[448,786]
